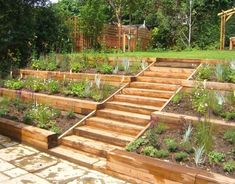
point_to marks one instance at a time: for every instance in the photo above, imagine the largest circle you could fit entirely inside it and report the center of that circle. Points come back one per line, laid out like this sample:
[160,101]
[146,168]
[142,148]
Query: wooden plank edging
[39,138]
[158,171]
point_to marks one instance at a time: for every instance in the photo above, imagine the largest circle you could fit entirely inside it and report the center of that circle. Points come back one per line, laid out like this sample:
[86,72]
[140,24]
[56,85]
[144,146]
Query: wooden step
[88,145]
[166,75]
[103,135]
[156,86]
[176,64]
[131,107]
[79,157]
[171,70]
[159,80]
[129,117]
[116,126]
[157,102]
[148,92]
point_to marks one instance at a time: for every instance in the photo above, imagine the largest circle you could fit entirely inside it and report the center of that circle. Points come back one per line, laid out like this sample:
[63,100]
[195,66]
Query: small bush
[216,157]
[229,166]
[229,135]
[162,153]
[181,156]
[160,128]
[34,84]
[14,84]
[187,147]
[150,151]
[177,98]
[205,72]
[133,146]
[52,86]
[105,68]
[70,115]
[151,136]
[75,89]
[76,66]
[171,144]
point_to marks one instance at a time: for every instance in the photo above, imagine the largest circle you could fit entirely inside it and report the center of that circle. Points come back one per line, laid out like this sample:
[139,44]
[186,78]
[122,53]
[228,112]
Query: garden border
[158,171]
[62,103]
[37,137]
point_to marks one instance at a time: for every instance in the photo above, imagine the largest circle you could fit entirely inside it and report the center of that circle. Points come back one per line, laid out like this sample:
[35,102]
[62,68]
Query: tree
[91,20]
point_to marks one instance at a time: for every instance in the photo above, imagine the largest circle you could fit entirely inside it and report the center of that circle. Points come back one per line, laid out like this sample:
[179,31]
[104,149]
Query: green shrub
[34,84]
[205,72]
[229,135]
[38,65]
[171,144]
[133,146]
[150,151]
[216,157]
[177,98]
[52,86]
[181,156]
[105,68]
[14,84]
[4,103]
[223,72]
[187,147]
[229,166]
[76,66]
[161,153]
[160,128]
[75,89]
[200,100]
[70,115]
[51,66]
[151,136]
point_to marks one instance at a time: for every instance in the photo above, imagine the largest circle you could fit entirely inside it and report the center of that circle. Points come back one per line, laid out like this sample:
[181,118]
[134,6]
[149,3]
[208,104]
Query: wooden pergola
[225,16]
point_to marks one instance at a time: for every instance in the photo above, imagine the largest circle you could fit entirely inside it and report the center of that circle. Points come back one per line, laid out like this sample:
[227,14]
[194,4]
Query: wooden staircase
[123,117]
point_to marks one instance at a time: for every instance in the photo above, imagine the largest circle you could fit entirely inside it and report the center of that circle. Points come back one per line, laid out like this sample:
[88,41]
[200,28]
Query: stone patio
[21,164]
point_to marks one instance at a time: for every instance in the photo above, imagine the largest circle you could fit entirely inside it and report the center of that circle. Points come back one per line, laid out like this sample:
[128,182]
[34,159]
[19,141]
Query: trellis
[225,16]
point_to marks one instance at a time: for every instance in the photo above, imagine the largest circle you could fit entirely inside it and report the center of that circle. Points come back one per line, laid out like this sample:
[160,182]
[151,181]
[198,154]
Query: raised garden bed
[220,72]
[184,152]
[88,90]
[84,64]
[38,115]
[197,101]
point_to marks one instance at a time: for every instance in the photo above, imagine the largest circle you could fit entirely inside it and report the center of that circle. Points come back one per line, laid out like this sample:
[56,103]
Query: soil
[219,144]
[63,121]
[185,107]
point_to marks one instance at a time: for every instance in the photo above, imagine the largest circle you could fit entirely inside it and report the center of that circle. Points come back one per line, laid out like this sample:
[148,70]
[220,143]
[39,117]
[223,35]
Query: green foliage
[187,147]
[76,66]
[151,136]
[150,151]
[205,72]
[223,72]
[4,103]
[70,115]
[161,153]
[105,68]
[160,128]
[13,84]
[75,89]
[229,135]
[171,144]
[216,157]
[34,84]
[229,166]
[181,156]
[52,86]
[204,135]
[178,97]
[200,100]
[133,146]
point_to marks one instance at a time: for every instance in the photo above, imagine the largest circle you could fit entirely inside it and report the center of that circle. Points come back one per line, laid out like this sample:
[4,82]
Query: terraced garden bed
[84,64]
[194,146]
[88,90]
[220,72]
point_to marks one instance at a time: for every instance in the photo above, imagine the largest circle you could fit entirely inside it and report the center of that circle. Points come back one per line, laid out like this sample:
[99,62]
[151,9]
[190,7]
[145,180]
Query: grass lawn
[195,54]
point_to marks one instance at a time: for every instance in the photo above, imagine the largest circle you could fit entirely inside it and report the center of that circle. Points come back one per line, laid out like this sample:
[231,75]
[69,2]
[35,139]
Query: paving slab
[15,152]
[61,172]
[15,172]
[26,179]
[3,177]
[5,165]
[35,162]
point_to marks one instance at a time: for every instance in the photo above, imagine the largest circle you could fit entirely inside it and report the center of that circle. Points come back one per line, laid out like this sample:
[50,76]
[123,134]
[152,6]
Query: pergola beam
[224,16]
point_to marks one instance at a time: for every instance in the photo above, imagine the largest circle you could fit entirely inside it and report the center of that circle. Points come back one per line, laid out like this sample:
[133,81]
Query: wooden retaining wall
[59,102]
[39,138]
[158,171]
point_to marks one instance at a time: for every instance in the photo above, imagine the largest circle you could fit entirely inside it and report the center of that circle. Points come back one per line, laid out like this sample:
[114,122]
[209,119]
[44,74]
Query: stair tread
[107,133]
[115,122]
[91,143]
[142,97]
[76,155]
[153,83]
[131,114]
[149,107]
[151,90]
[172,68]
[163,80]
